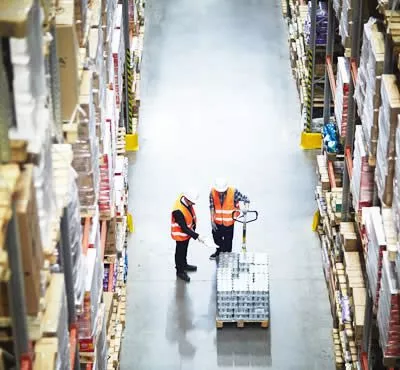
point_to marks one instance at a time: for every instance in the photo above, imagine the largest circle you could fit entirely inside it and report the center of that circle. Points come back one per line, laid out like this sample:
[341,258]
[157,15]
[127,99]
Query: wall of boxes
[358,217]
[70,71]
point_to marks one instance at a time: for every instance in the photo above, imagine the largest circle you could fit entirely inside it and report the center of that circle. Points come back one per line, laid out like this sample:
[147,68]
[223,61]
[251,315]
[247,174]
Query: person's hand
[202,239]
[244,206]
[213,226]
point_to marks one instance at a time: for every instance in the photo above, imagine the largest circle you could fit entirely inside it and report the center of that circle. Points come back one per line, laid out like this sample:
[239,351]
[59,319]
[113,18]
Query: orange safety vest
[223,212]
[190,218]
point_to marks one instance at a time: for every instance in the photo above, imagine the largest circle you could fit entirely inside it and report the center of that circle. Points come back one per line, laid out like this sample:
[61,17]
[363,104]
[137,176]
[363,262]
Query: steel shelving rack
[370,354]
[22,346]
[309,138]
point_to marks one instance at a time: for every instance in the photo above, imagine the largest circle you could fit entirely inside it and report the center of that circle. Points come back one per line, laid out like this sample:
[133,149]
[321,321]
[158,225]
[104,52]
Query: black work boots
[183,276]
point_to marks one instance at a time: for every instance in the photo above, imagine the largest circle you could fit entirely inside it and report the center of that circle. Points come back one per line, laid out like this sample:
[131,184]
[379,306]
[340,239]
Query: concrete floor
[218,99]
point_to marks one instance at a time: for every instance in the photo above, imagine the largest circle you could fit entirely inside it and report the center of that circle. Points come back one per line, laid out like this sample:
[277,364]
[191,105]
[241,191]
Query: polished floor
[218,99]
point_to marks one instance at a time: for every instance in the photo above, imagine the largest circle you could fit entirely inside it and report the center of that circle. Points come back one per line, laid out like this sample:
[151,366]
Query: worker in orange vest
[223,201]
[183,227]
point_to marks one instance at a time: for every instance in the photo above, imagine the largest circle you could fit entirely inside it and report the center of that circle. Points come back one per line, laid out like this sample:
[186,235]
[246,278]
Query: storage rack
[304,56]
[51,240]
[360,234]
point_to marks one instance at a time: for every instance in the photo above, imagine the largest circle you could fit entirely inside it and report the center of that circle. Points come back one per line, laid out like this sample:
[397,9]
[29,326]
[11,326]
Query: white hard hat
[221,185]
[191,195]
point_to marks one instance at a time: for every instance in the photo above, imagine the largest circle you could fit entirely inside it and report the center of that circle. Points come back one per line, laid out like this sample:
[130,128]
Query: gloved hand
[213,226]
[244,206]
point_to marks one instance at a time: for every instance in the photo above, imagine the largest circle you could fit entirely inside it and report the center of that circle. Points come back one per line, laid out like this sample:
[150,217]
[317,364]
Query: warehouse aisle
[218,99]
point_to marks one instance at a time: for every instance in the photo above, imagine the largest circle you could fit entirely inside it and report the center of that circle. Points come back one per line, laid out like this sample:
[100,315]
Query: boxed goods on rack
[390,233]
[45,195]
[93,289]
[86,164]
[29,234]
[80,15]
[118,56]
[75,241]
[348,236]
[9,175]
[386,149]
[345,22]
[67,50]
[396,183]
[362,181]
[321,26]
[101,345]
[29,82]
[388,312]
[355,291]
[93,347]
[342,94]
[337,7]
[375,233]
[367,90]
[46,350]
[55,319]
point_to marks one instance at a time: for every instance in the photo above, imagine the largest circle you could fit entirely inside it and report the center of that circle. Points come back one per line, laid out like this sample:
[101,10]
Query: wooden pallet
[242,323]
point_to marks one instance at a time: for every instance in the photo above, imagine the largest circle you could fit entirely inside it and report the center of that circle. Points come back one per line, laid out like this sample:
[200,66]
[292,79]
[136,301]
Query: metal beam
[16,290]
[329,52]
[55,86]
[67,267]
[125,11]
[351,110]
[314,4]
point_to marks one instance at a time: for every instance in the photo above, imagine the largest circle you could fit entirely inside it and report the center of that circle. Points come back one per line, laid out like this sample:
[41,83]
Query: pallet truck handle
[241,216]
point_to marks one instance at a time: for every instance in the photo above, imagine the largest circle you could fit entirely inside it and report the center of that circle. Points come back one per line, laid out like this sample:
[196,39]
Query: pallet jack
[237,303]
[241,217]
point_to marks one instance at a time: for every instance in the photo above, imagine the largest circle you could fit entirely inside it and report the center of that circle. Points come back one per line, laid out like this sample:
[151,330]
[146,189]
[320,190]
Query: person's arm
[180,220]
[239,197]
[212,207]
[212,212]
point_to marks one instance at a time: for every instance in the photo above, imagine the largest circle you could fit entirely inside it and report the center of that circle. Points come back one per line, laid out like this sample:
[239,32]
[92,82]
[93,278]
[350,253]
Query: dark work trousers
[180,255]
[223,237]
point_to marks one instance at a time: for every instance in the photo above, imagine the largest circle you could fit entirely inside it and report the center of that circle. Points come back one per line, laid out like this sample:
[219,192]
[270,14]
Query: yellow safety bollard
[315,222]
[131,142]
[310,140]
[131,226]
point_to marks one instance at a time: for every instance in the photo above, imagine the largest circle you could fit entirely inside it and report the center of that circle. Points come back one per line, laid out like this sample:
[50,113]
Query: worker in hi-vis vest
[223,201]
[183,227]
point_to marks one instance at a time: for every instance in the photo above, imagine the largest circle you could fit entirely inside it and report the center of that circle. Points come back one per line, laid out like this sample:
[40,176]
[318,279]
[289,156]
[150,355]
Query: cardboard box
[108,298]
[30,239]
[54,296]
[359,296]
[45,354]
[349,237]
[67,52]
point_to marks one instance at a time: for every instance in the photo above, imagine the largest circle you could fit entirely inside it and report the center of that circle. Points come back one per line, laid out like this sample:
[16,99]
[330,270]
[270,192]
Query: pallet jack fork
[241,217]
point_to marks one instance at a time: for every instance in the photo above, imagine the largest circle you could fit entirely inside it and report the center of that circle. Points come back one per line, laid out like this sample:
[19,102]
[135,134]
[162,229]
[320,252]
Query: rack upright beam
[329,53]
[16,291]
[311,65]
[351,111]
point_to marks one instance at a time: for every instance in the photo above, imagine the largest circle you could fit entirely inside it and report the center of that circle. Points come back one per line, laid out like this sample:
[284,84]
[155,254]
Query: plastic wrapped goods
[342,94]
[243,287]
[386,149]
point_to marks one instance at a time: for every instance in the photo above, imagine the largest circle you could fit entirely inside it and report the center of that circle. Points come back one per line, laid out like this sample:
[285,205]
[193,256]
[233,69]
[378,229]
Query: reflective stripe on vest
[223,212]
[176,231]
